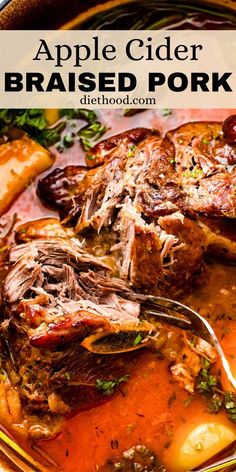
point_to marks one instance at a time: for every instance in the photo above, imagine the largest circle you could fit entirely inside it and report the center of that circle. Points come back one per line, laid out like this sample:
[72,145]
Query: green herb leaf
[131,151]
[132,111]
[205,141]
[211,387]
[107,387]
[34,123]
[206,381]
[31,121]
[230,405]
[90,157]
[91,133]
[165,112]
[68,140]
[49,136]
[215,403]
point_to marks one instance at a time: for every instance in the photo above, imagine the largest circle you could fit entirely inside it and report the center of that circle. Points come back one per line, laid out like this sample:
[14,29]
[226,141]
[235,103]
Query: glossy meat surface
[148,190]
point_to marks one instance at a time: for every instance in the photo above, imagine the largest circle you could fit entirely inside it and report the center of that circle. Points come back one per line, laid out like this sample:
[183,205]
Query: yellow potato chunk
[200,444]
[21,161]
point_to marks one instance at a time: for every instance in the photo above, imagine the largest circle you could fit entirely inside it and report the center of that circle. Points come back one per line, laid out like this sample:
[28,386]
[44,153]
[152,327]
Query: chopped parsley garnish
[192,342]
[215,403]
[136,459]
[63,133]
[193,173]
[230,405]
[107,387]
[210,386]
[29,120]
[67,375]
[49,136]
[188,401]
[91,133]
[79,114]
[138,339]
[131,151]
[165,112]
[205,141]
[206,381]
[132,111]
[90,157]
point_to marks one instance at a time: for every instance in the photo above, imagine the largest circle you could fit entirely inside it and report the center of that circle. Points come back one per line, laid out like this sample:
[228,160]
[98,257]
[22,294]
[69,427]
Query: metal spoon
[161,308]
[21,459]
[222,465]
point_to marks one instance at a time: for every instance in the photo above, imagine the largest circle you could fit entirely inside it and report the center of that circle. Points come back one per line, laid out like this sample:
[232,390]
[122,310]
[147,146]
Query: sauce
[150,408]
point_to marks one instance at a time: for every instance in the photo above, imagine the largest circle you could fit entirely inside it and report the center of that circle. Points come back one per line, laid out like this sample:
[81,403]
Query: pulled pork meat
[162,255]
[54,296]
[136,193]
[162,202]
[62,311]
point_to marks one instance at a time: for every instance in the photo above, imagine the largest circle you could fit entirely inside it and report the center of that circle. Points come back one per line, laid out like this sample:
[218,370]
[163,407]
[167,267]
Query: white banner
[117,69]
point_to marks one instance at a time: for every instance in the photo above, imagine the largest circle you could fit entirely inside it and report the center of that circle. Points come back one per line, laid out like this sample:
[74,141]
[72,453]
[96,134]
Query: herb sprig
[107,387]
[63,133]
[206,381]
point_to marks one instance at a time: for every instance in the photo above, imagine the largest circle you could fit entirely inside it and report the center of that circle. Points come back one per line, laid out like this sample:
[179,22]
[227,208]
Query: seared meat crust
[54,296]
[140,189]
[60,186]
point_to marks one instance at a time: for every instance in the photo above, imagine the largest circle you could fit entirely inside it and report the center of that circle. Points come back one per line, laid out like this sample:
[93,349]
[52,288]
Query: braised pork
[153,193]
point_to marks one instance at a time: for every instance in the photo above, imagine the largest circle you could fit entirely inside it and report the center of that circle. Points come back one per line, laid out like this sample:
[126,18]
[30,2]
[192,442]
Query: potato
[5,415]
[21,161]
[14,404]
